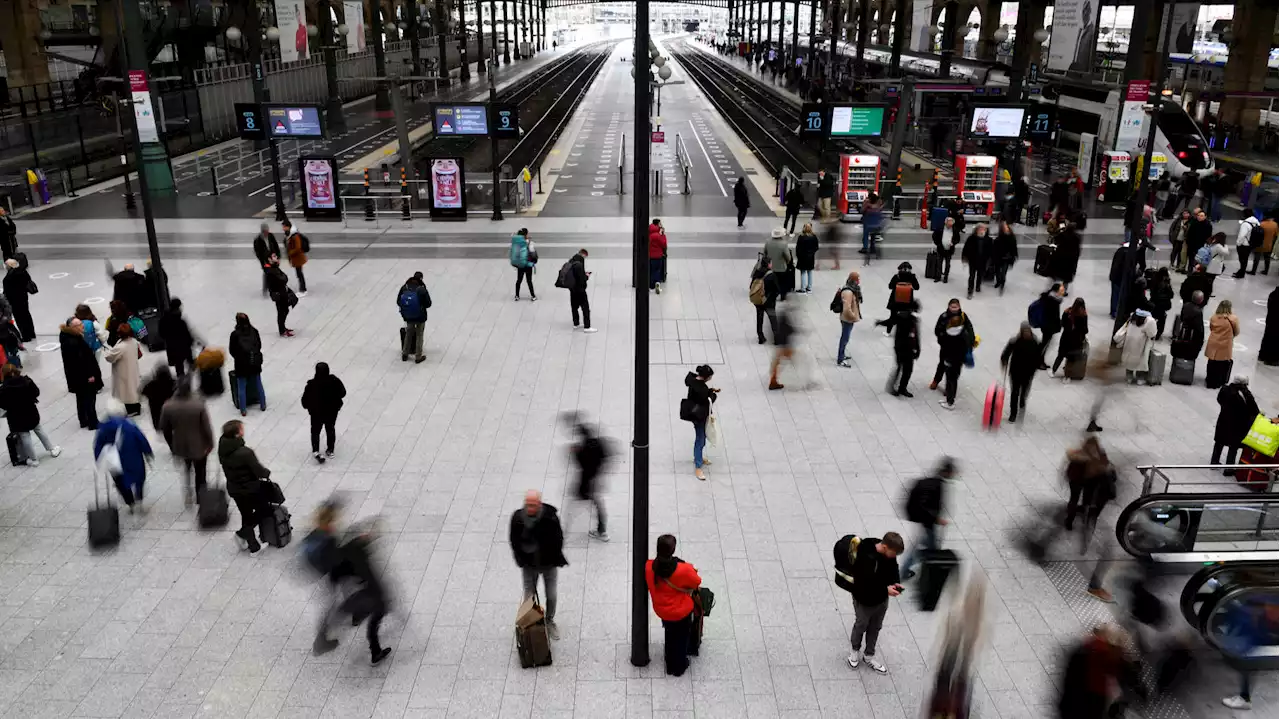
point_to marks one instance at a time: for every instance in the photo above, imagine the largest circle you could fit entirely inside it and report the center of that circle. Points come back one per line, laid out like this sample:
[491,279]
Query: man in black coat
[177,338]
[84,377]
[742,199]
[1021,358]
[591,452]
[794,201]
[1239,409]
[18,288]
[154,282]
[578,299]
[264,248]
[906,349]
[1198,234]
[537,543]
[8,235]
[925,502]
[244,474]
[1187,337]
[130,288]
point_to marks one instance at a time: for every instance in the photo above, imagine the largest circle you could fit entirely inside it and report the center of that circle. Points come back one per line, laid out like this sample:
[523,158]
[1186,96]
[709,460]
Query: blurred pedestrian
[126,376]
[1020,360]
[784,340]
[177,337]
[134,452]
[1097,671]
[158,389]
[370,601]
[591,452]
[976,253]
[187,429]
[84,377]
[322,398]
[537,542]
[1004,252]
[1075,331]
[925,504]
[672,582]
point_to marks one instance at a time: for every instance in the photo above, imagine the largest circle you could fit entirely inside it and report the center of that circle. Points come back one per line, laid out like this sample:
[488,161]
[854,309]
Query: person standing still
[657,255]
[976,253]
[850,314]
[283,297]
[8,234]
[414,300]
[578,299]
[906,350]
[84,376]
[264,248]
[18,288]
[672,583]
[244,475]
[591,452]
[537,542]
[296,245]
[741,199]
[322,399]
[826,191]
[520,259]
[806,257]
[767,292]
[794,200]
[875,579]
[696,408]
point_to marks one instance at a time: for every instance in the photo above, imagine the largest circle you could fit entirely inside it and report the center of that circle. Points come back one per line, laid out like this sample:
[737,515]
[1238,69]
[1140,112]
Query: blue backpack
[1204,255]
[91,335]
[1035,314]
[410,304]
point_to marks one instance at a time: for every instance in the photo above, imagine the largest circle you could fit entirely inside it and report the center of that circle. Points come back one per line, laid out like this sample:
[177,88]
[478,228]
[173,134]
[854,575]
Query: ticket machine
[1159,163]
[976,185]
[1114,184]
[859,177]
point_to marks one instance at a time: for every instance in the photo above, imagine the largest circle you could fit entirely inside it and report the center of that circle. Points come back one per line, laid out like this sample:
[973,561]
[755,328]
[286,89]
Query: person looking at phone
[875,579]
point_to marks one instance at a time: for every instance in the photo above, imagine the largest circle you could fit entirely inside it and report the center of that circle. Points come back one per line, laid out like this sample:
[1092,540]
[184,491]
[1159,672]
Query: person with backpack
[1020,360]
[763,293]
[925,502]
[244,475]
[84,377]
[1043,315]
[875,580]
[956,339]
[591,452]
[781,260]
[806,257]
[19,396]
[296,245]
[657,255]
[1214,258]
[1075,330]
[322,399]
[264,248]
[95,334]
[902,288]
[848,304]
[414,300]
[537,543]
[741,199]
[672,583]
[187,429]
[1249,236]
[283,297]
[573,277]
[245,346]
[523,261]
[696,408]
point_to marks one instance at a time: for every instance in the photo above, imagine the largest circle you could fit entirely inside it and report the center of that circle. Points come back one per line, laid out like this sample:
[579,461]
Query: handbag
[1264,436]
[272,493]
[109,458]
[713,433]
[690,410]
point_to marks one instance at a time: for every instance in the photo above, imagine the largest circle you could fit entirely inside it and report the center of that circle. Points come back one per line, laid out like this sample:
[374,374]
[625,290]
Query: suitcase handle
[96,503]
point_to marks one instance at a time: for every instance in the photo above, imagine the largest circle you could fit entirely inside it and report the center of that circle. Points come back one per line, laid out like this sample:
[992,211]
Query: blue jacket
[520,252]
[134,447]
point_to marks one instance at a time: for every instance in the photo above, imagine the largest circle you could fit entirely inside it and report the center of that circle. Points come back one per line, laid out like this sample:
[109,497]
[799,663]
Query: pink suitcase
[993,408]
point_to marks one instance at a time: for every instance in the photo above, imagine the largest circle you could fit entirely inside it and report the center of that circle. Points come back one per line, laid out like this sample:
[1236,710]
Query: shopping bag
[1264,436]
[713,431]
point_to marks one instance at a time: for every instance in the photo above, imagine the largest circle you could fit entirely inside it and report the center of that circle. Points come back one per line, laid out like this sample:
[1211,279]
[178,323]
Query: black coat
[1195,281]
[18,397]
[924,501]
[1239,409]
[264,248]
[741,199]
[1005,248]
[546,535]
[78,362]
[245,346]
[8,235]
[700,393]
[1118,261]
[976,250]
[355,560]
[17,284]
[1051,322]
[1192,318]
[590,454]
[873,573]
[151,287]
[323,396]
[827,185]
[1022,357]
[953,348]
[1269,353]
[177,337]
[131,289]
[1074,331]
[1066,256]
[578,266]
[806,251]
[241,466]
[794,199]
[1198,234]
[277,284]
[770,280]
[906,336]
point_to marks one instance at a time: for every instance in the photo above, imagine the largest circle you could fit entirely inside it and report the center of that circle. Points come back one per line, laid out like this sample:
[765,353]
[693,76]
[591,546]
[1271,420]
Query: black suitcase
[1183,371]
[104,521]
[151,320]
[212,510]
[1044,255]
[272,493]
[275,528]
[1033,216]
[250,391]
[936,566]
[211,384]
[932,266]
[17,451]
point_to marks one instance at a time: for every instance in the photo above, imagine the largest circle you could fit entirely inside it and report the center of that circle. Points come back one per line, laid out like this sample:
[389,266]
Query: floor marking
[712,167]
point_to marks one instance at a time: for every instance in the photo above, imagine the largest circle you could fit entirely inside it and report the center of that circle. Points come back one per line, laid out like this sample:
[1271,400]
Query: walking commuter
[975,253]
[1263,252]
[1249,235]
[906,350]
[1253,627]
[1214,187]
[826,194]
[322,399]
[19,395]
[956,340]
[945,239]
[283,297]
[414,300]
[875,580]
[1075,330]
[696,408]
[1214,258]
[158,390]
[1235,418]
[793,201]
[1137,339]
[8,235]
[578,299]
[784,340]
[806,257]
[850,314]
[1219,348]
[371,600]
[925,503]
[672,583]
[296,245]
[187,429]
[126,376]
[872,221]
[177,337]
[741,199]
[1178,232]
[1020,359]
[1066,255]
[537,542]
[244,475]
[1004,252]
[84,377]
[322,554]
[781,260]
[1161,292]
[1043,315]
[264,248]
[591,452]
[129,288]
[134,451]
[1021,191]
[523,262]
[18,288]
[1096,673]
[763,293]
[657,255]
[245,346]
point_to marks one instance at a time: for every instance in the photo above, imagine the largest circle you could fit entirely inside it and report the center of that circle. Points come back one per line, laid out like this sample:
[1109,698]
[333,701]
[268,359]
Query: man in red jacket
[657,255]
[672,583]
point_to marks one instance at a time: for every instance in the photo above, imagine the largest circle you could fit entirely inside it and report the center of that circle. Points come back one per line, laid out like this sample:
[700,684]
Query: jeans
[699,442]
[928,540]
[1215,208]
[526,274]
[846,328]
[951,371]
[867,622]
[242,387]
[675,649]
[655,271]
[530,575]
[761,313]
[302,280]
[316,423]
[86,408]
[578,300]
[413,332]
[30,446]
[806,280]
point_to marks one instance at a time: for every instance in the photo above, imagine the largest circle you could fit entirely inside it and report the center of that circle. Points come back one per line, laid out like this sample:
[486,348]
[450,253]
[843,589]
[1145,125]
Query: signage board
[857,120]
[468,119]
[504,120]
[250,122]
[143,113]
[997,122]
[448,195]
[813,119]
[319,187]
[294,121]
[658,136]
[1041,123]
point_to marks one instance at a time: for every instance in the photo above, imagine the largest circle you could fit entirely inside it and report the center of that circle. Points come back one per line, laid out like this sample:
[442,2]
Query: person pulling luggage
[925,503]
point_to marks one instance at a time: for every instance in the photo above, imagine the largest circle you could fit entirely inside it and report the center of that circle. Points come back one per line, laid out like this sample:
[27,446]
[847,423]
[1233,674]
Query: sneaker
[319,457]
[517,298]
[906,394]
[533,299]
[328,454]
[1236,702]
[323,646]
[302,293]
[844,363]
[33,463]
[382,654]
[658,288]
[55,451]
[552,630]
[877,665]
[945,404]
[1102,595]
[854,659]
[591,330]
[420,360]
[775,385]
[602,536]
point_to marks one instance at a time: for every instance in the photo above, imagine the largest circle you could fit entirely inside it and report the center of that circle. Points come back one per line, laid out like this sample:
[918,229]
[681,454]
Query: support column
[382,96]
[987,45]
[333,103]
[850,17]
[1025,49]
[811,62]
[948,37]
[153,159]
[1246,70]
[506,41]
[522,18]
[835,21]
[481,56]
[414,34]
[864,20]
[768,39]
[441,30]
[901,27]
[795,31]
[20,36]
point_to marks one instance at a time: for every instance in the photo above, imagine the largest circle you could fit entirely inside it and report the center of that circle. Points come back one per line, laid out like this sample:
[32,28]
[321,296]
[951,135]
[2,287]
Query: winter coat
[544,534]
[1192,318]
[1022,357]
[78,361]
[18,398]
[578,266]
[779,253]
[1178,230]
[1269,353]
[323,395]
[158,390]
[670,582]
[126,377]
[794,199]
[134,447]
[1051,321]
[424,300]
[293,246]
[1074,331]
[590,455]
[152,281]
[1223,329]
[806,251]
[741,199]
[1198,234]
[976,250]
[1161,297]
[1196,281]
[1239,409]
[1066,255]
[1118,261]
[1005,248]
[657,242]
[1269,230]
[130,288]
[873,573]
[519,253]
[1136,341]
[185,425]
[355,560]
[264,248]
[906,336]
[177,337]
[245,346]
[700,393]
[827,185]
[241,467]
[924,501]
[277,284]
[952,348]
[851,301]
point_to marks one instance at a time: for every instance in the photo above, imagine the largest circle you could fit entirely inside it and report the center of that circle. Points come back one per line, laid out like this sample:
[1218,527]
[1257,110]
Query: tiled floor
[176,622]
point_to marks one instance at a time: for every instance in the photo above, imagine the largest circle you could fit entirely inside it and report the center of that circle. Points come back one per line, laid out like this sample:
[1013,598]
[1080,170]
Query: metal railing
[786,180]
[246,164]
[686,164]
[384,206]
[1156,479]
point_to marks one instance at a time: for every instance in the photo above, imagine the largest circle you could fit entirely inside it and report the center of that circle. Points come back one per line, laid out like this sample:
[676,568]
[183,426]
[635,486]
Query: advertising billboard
[353,12]
[857,120]
[294,121]
[291,19]
[448,195]
[1000,122]
[319,176]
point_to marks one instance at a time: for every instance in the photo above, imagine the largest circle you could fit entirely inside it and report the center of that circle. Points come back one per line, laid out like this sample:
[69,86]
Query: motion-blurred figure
[1098,674]
[591,453]
[961,637]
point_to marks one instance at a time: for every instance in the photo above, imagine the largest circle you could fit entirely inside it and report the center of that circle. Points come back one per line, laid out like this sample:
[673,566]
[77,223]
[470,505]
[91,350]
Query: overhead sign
[469,119]
[294,121]
[813,119]
[250,122]
[143,114]
[657,136]
[504,120]
[1041,123]
[857,120]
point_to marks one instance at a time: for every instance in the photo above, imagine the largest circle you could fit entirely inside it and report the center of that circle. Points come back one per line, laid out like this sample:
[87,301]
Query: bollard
[213,175]
[67,183]
[657,182]
[405,212]
[539,179]
[897,192]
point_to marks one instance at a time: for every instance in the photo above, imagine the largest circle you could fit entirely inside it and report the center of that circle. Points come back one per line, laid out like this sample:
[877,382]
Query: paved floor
[176,622]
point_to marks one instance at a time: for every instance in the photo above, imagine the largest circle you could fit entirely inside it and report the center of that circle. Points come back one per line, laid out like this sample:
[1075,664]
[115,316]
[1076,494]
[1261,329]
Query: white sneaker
[533,299]
[844,363]
[877,665]
[657,287]
[552,630]
[55,451]
[33,463]
[302,293]
[517,298]
[591,330]
[854,659]
[1237,702]
[945,404]
[602,536]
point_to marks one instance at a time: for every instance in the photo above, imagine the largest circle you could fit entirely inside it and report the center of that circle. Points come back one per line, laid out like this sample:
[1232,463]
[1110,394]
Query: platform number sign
[1041,123]
[250,122]
[505,121]
[813,119]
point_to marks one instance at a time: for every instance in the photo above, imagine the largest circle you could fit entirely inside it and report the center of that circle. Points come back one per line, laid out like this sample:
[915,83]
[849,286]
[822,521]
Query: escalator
[1196,528]
[1234,607]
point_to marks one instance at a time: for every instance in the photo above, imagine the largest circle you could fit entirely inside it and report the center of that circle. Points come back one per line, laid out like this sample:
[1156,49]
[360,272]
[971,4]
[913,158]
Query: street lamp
[1040,35]
[1001,34]
[273,34]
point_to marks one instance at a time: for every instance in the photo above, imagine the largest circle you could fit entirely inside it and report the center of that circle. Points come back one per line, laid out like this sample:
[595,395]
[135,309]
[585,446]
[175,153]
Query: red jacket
[668,603]
[657,242]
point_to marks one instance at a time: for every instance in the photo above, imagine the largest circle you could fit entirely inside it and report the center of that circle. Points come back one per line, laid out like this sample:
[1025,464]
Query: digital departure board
[294,121]
[461,119]
[857,120]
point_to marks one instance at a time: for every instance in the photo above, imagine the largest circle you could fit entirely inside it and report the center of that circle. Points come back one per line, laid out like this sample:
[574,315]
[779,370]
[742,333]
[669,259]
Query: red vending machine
[976,185]
[859,177]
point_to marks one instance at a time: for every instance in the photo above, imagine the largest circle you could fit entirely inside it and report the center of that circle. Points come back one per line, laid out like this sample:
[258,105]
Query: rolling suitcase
[1076,364]
[276,528]
[211,384]
[250,391]
[993,407]
[1044,254]
[151,320]
[932,265]
[1183,371]
[1256,480]
[17,451]
[936,566]
[104,521]
[1155,368]
[533,644]
[212,510]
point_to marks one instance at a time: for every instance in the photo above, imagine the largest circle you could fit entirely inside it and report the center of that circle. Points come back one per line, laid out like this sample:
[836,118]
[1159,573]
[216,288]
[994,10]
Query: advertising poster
[1074,35]
[353,13]
[922,26]
[997,122]
[1184,28]
[447,196]
[291,21]
[1129,135]
[143,113]
[319,186]
[1084,159]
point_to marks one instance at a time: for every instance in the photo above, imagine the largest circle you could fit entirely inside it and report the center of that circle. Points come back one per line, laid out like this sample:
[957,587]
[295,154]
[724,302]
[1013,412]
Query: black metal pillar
[949,38]
[834,21]
[521,18]
[768,37]
[506,22]
[864,20]
[811,57]
[333,103]
[481,58]
[382,96]
[795,31]
[252,34]
[493,28]
[542,23]
[441,30]
[900,25]
[413,33]
[464,61]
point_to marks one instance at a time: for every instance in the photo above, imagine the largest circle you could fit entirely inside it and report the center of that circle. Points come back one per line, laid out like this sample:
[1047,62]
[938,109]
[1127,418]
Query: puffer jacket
[657,242]
[241,466]
[670,580]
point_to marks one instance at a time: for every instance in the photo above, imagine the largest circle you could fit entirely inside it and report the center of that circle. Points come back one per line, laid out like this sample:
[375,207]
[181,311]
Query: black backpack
[306,243]
[1257,236]
[845,552]
[915,498]
[566,279]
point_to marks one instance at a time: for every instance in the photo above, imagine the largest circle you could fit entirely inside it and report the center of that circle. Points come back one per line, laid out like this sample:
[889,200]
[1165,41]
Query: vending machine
[1159,163]
[1113,176]
[859,177]
[976,184]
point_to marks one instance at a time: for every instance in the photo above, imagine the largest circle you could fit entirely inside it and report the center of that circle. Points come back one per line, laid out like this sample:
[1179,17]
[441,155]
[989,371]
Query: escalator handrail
[1207,574]
[1207,611]
[1242,498]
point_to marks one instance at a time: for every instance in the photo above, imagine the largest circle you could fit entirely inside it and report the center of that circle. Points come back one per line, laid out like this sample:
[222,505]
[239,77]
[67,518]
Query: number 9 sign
[504,120]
